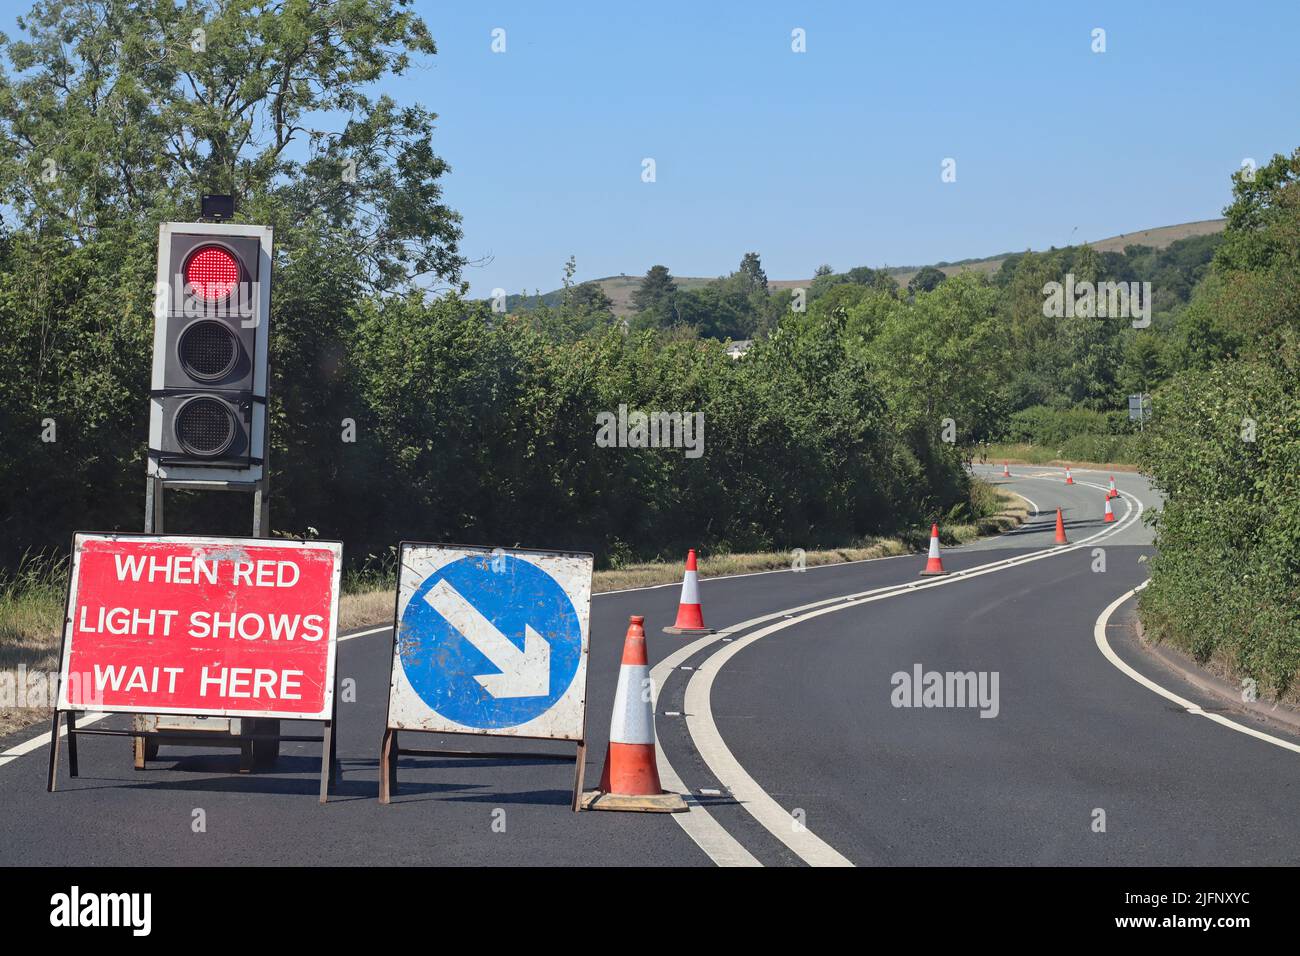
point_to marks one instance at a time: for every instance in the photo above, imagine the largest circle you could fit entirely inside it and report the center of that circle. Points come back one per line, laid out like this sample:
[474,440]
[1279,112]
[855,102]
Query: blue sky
[834,155]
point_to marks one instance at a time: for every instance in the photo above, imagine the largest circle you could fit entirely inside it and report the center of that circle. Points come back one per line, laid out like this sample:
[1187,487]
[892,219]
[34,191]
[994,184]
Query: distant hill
[620,288]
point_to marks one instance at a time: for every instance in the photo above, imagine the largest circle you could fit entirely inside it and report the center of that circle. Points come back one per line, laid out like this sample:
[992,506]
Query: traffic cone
[1112,493]
[1069,479]
[1006,471]
[1110,515]
[690,615]
[934,565]
[1060,529]
[630,780]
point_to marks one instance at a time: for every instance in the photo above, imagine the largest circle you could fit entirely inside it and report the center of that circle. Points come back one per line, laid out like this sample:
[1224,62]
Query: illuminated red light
[212,273]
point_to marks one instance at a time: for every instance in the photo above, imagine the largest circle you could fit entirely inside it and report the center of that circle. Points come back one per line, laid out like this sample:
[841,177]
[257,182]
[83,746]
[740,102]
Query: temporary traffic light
[208,394]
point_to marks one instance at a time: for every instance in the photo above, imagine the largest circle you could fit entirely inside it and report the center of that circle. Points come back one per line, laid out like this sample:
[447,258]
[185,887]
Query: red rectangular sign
[241,627]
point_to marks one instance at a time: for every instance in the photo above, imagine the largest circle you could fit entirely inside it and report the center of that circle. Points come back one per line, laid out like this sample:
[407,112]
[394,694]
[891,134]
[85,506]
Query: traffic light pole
[155,488]
[146,748]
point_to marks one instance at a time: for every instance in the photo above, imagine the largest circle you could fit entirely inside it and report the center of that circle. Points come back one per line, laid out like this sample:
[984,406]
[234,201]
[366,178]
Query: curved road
[781,727]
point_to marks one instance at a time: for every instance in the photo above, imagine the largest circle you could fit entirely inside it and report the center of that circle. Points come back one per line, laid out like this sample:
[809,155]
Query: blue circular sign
[512,595]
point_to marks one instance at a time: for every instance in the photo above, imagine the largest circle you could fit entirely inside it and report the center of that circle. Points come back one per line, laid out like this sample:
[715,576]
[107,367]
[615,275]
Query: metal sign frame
[390,750]
[327,739]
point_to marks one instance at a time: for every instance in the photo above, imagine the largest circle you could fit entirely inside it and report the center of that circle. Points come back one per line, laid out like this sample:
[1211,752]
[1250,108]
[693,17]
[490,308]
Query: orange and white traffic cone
[1069,478]
[934,565]
[1113,492]
[630,780]
[690,614]
[1060,529]
[1110,515]
[1006,470]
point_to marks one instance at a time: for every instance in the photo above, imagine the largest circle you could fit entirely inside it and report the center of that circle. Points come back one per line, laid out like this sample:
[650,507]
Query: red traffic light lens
[212,273]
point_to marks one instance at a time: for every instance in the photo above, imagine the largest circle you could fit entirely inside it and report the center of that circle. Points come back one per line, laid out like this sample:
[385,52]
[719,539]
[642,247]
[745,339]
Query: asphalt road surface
[783,728]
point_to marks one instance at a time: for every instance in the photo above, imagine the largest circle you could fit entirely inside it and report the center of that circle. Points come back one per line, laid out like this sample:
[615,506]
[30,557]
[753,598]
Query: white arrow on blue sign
[491,642]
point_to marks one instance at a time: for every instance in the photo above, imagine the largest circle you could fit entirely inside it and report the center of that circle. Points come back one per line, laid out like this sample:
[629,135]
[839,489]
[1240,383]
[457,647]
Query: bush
[1224,447]
[1120,449]
[1041,425]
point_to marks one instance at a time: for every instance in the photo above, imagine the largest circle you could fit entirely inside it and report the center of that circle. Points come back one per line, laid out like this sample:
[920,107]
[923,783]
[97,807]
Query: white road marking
[727,769]
[1037,510]
[43,740]
[365,633]
[1099,635]
[719,758]
[709,835]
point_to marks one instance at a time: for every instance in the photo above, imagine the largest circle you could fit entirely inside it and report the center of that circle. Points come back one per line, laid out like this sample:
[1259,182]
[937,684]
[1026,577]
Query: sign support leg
[326,760]
[335,773]
[52,782]
[72,743]
[328,752]
[388,766]
[578,772]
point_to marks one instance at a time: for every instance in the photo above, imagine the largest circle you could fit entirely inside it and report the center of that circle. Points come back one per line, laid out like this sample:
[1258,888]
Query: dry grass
[364,608]
[1019,454]
[31,619]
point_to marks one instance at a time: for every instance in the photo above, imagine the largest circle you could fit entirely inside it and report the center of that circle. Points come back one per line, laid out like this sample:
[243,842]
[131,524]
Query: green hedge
[469,426]
[1119,449]
[1226,580]
[1042,425]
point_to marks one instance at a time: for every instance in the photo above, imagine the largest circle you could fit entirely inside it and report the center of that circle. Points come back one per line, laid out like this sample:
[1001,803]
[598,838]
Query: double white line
[699,825]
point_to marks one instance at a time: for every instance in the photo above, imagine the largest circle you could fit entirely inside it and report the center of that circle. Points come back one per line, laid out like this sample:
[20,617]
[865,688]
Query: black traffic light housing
[208,394]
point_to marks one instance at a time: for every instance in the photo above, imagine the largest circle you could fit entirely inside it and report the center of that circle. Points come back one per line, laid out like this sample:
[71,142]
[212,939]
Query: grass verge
[1049,455]
[31,615]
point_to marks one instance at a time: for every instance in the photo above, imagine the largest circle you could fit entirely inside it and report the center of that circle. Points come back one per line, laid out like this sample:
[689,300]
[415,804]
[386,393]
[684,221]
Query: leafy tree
[589,298]
[123,114]
[873,278]
[116,115]
[942,356]
[926,279]
[656,292]
[862,275]
[751,270]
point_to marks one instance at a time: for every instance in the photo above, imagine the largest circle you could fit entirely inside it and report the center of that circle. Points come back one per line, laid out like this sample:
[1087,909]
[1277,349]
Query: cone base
[933,574]
[647,803]
[690,631]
